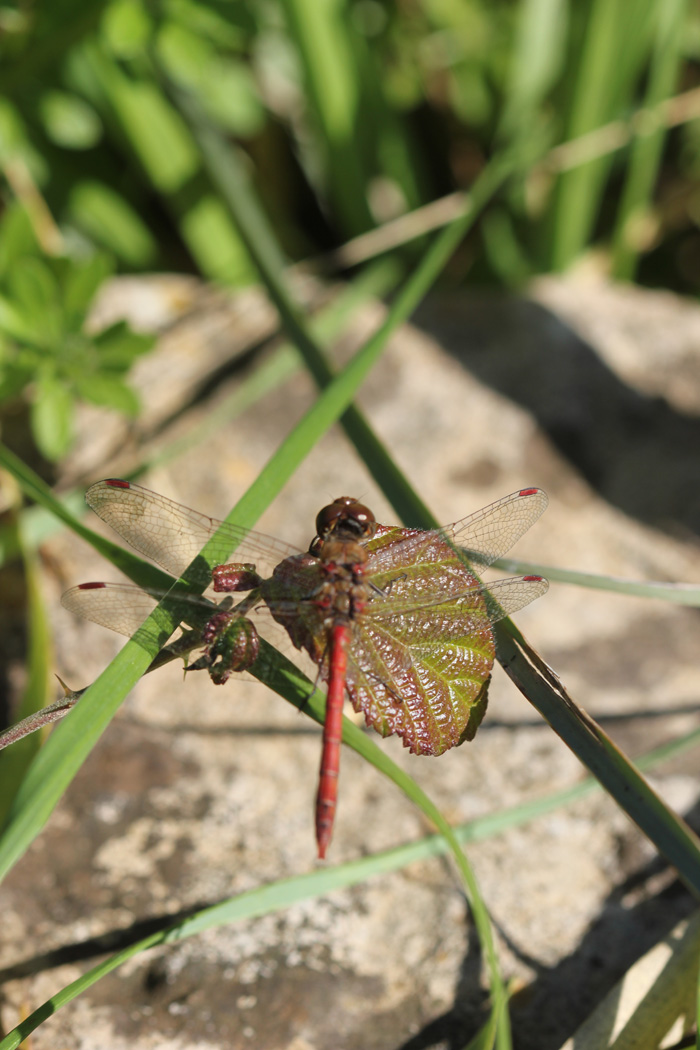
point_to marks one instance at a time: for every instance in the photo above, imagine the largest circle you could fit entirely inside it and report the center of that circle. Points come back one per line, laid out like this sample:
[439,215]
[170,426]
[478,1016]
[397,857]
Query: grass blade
[288,681]
[536,60]
[14,762]
[334,92]
[678,593]
[645,1006]
[616,35]
[48,778]
[72,741]
[646,149]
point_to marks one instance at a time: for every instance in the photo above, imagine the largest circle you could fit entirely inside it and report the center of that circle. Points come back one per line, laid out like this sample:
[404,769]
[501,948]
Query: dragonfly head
[343,519]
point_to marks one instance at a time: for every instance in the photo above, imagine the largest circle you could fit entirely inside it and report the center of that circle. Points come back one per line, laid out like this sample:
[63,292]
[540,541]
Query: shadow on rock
[638,452]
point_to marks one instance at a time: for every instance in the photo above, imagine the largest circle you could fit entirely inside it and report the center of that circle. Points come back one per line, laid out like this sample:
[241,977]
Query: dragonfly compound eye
[347,515]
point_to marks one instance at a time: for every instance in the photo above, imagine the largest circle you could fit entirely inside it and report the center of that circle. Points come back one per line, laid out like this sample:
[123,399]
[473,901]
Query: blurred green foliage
[348,113]
[46,352]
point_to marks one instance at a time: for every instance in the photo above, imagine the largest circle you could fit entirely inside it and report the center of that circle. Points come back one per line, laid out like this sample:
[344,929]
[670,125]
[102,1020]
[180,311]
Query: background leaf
[52,416]
[108,391]
[113,223]
[70,121]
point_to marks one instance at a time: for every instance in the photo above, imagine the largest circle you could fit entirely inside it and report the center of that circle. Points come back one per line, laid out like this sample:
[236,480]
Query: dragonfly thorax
[343,553]
[342,596]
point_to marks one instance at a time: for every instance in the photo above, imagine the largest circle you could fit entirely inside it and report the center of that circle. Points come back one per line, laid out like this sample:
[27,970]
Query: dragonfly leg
[378,678]
[385,591]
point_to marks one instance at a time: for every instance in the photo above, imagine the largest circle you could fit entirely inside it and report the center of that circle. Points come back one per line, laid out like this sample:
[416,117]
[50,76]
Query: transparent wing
[490,532]
[122,607]
[484,536]
[173,535]
[502,597]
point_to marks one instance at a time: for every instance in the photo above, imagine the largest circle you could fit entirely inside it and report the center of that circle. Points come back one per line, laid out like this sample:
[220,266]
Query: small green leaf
[16,236]
[119,345]
[185,55]
[15,142]
[229,93]
[13,135]
[126,27]
[14,323]
[215,242]
[52,417]
[111,221]
[69,120]
[35,292]
[33,286]
[80,284]
[109,391]
[225,87]
[157,133]
[228,27]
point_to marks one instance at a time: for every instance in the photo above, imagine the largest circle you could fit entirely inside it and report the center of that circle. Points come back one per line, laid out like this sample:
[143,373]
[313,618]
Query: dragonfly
[395,619]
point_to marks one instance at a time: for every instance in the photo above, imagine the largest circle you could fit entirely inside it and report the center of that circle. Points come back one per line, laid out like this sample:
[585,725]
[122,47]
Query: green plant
[49,357]
[353,115]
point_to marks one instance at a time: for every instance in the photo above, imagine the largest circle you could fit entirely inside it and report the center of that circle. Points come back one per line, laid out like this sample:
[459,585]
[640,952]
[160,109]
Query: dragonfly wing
[119,606]
[172,535]
[482,537]
[501,598]
[122,607]
[490,532]
[504,597]
[409,570]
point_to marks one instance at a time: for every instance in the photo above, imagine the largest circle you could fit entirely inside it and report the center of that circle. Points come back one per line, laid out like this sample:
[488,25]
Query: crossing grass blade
[73,739]
[70,743]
